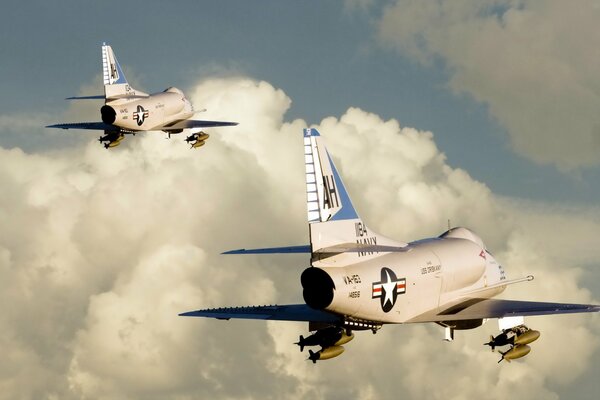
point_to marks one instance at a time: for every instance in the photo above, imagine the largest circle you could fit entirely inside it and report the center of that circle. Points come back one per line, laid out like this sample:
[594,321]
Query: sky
[481,112]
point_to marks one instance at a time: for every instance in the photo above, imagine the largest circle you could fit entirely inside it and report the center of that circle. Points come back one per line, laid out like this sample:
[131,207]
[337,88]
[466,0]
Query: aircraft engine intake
[109,115]
[318,288]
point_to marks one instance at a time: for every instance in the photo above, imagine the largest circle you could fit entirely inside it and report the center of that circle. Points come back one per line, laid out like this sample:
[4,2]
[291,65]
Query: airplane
[361,280]
[130,111]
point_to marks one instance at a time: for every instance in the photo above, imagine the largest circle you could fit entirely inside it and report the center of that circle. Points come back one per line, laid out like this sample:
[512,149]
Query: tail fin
[115,83]
[338,235]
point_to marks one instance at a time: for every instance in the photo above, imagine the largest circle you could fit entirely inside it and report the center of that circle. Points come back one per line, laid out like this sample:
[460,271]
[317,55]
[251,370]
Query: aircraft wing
[185,124]
[99,126]
[290,312]
[191,123]
[493,308]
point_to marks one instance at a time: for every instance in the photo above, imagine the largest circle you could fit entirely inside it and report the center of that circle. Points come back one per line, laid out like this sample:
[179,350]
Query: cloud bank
[529,61]
[100,250]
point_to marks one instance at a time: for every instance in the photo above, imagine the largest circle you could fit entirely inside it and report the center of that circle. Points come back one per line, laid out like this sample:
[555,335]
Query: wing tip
[58,126]
[236,251]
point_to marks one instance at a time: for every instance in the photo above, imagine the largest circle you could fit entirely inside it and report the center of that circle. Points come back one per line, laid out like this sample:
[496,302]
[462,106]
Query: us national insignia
[388,289]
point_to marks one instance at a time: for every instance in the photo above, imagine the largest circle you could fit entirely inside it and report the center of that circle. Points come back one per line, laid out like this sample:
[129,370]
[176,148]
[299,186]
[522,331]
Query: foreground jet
[129,111]
[360,280]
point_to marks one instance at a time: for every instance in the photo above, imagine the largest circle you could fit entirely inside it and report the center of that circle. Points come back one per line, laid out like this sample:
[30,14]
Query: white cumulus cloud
[100,250]
[533,63]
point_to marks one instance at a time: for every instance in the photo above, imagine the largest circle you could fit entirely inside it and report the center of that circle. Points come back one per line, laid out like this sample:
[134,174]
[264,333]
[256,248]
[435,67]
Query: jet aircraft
[361,280]
[129,111]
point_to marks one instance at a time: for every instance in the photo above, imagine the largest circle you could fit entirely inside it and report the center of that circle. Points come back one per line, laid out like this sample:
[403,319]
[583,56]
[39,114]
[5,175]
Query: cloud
[533,64]
[100,250]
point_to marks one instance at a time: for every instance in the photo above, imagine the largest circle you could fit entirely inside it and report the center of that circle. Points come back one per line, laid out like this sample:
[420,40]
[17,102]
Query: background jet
[361,280]
[129,111]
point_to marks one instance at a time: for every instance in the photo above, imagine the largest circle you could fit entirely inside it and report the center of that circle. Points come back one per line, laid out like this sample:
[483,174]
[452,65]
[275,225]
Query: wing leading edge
[290,312]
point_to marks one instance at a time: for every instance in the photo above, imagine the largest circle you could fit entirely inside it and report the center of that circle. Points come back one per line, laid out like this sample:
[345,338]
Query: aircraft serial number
[354,294]
[430,268]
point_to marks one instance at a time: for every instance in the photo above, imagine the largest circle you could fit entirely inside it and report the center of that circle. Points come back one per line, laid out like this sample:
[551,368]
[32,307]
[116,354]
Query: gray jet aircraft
[361,280]
[129,111]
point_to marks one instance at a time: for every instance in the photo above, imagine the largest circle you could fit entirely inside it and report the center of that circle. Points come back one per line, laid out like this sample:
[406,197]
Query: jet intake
[318,288]
[109,115]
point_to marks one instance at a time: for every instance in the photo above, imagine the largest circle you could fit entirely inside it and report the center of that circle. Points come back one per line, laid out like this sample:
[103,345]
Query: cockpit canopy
[173,90]
[463,233]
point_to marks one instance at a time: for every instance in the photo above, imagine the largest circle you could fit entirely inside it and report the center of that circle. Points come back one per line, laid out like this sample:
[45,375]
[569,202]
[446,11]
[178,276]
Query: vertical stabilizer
[332,219]
[327,198]
[115,83]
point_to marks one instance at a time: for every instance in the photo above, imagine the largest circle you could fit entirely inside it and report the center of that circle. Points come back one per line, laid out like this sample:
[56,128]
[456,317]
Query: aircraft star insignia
[140,115]
[388,289]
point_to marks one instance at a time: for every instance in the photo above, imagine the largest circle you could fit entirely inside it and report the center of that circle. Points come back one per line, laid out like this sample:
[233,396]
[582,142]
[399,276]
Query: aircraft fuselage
[429,278]
[146,114]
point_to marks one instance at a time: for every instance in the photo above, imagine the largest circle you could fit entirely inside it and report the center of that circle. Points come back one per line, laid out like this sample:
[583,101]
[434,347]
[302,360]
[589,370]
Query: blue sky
[326,56]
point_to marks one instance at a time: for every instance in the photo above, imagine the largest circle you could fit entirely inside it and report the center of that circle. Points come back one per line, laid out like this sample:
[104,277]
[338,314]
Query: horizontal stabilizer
[97,97]
[272,250]
[361,248]
[130,96]
[291,312]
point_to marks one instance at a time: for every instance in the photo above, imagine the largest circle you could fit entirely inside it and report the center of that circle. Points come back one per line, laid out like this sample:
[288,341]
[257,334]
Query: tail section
[326,195]
[115,83]
[338,235]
